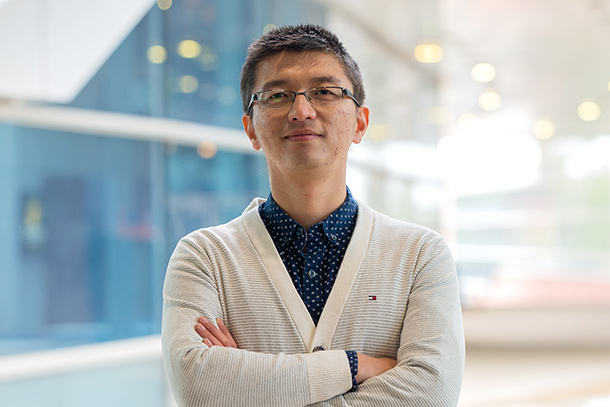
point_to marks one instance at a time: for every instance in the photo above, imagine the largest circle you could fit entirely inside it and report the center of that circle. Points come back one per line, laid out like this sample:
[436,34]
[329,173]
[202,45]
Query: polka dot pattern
[313,257]
[352,357]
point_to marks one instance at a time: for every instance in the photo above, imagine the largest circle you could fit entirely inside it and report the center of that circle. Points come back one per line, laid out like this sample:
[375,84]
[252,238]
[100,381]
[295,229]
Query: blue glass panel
[89,222]
[92,222]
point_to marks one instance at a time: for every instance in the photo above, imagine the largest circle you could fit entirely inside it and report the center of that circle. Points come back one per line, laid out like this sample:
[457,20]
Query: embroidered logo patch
[372,298]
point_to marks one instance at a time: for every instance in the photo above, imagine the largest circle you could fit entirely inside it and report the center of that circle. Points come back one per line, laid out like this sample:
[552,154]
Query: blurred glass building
[120,132]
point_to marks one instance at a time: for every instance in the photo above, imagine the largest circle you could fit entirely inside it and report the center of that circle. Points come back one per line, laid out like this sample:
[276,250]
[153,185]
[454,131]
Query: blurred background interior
[120,132]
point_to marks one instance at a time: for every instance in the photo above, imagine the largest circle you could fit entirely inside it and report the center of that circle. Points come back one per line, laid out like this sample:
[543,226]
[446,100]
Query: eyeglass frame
[344,92]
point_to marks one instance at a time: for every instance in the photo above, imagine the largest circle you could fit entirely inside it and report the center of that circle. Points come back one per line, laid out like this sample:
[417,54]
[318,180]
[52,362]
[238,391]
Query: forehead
[296,69]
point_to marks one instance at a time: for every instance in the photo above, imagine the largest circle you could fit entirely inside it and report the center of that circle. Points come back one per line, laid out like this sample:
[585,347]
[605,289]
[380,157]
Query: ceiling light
[429,53]
[490,100]
[589,111]
[544,129]
[483,72]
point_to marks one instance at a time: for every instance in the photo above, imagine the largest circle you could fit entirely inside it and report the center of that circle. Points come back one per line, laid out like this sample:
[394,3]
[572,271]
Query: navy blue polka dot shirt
[313,257]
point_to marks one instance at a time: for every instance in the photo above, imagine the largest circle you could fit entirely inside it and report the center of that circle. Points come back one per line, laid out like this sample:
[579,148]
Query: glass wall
[89,219]
[93,220]
[494,134]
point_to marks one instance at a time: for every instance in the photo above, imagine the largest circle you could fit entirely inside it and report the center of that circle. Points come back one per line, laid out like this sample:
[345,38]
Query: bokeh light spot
[429,53]
[189,49]
[207,149]
[544,129]
[483,72]
[157,54]
[188,84]
[269,27]
[490,100]
[589,111]
[164,4]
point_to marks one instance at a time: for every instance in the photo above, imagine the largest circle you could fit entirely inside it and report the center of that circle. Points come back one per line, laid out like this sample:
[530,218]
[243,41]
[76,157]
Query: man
[310,297]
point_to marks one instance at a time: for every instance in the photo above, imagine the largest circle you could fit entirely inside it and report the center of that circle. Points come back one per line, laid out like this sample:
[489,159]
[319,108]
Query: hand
[213,336]
[369,366]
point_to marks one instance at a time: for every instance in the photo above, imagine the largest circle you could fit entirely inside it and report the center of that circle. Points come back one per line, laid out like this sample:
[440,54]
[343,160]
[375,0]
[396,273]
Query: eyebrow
[318,80]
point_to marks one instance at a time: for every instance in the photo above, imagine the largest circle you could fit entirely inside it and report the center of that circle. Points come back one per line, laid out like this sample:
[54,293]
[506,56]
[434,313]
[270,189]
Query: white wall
[49,49]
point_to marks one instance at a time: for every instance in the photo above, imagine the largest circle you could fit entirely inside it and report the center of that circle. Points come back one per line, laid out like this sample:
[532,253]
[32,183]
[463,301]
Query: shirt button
[318,348]
[333,237]
[312,273]
[299,231]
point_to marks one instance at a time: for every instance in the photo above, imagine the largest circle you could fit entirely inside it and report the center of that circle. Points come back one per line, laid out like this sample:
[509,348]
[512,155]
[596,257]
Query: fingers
[206,335]
[227,334]
[213,336]
[210,334]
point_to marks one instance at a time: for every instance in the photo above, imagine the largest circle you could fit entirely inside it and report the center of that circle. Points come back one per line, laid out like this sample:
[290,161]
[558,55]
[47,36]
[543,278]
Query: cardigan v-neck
[312,335]
[312,256]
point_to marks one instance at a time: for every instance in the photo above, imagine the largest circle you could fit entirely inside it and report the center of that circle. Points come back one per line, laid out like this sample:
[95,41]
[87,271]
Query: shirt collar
[337,227]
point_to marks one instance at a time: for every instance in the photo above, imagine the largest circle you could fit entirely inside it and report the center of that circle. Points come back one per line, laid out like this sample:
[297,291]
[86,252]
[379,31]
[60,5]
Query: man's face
[302,136]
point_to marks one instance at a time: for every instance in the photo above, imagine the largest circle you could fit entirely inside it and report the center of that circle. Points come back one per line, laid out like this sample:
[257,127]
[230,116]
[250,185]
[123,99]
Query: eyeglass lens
[283,98]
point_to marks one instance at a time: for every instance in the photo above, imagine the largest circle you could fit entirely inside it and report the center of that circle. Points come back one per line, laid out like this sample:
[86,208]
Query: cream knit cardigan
[234,272]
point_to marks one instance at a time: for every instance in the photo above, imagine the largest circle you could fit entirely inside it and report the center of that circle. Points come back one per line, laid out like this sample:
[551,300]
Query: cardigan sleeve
[431,352]
[218,376]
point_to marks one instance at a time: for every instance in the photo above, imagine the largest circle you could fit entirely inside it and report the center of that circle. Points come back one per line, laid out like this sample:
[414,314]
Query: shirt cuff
[352,357]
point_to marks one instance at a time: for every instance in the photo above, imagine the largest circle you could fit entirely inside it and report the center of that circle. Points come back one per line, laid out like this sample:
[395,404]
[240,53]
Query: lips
[302,135]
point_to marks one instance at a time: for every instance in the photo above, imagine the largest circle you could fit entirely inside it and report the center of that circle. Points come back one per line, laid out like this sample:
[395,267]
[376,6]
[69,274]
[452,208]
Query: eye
[324,91]
[275,96]
[326,94]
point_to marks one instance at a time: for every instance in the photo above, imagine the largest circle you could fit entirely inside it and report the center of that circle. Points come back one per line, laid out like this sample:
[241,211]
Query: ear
[362,123]
[249,128]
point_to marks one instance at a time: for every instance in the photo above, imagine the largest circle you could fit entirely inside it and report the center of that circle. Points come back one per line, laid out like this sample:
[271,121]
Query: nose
[301,109]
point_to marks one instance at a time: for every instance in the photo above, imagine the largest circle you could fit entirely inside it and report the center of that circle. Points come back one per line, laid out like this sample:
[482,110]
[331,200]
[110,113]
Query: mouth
[303,135]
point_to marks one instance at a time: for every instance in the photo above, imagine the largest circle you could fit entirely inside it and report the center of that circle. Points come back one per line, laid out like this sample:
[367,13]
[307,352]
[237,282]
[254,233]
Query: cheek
[266,132]
[345,124]
[346,118]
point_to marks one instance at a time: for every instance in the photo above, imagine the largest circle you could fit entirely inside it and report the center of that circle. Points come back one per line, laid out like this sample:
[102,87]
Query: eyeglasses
[282,99]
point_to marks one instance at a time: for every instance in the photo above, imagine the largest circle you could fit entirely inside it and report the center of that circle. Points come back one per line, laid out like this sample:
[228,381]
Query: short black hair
[297,38]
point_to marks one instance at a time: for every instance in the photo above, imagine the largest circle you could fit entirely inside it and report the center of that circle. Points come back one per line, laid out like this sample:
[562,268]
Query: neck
[309,199]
